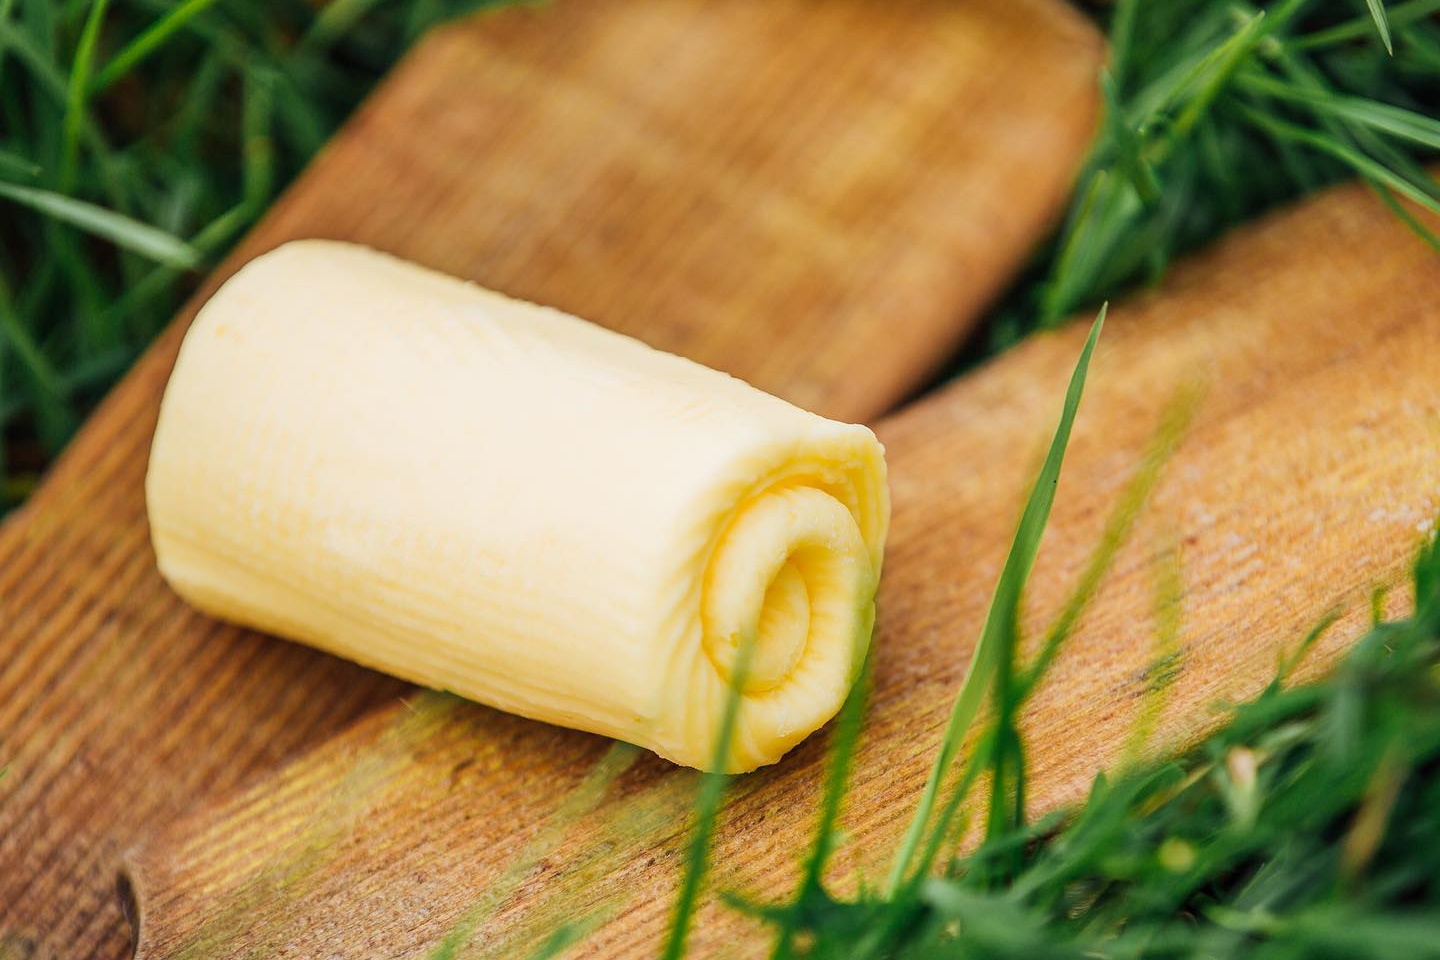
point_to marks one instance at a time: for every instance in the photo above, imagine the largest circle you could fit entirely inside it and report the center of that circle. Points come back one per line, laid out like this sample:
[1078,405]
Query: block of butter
[501,500]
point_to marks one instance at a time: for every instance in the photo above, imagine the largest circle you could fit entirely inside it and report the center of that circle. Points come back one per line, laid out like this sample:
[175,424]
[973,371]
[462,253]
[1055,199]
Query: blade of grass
[201,98]
[1187,59]
[1396,121]
[18,166]
[580,801]
[707,807]
[334,20]
[95,372]
[1227,60]
[151,40]
[299,118]
[35,60]
[57,419]
[1420,53]
[562,938]
[7,8]
[1310,83]
[135,307]
[1103,219]
[1014,687]
[1409,219]
[148,241]
[1128,145]
[1122,37]
[1173,423]
[1164,666]
[837,777]
[1361,27]
[1000,621]
[51,82]
[1290,661]
[76,92]
[259,167]
[1356,160]
[1382,25]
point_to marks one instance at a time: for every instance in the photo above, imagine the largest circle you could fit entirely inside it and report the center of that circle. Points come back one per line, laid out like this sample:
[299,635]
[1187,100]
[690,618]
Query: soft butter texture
[501,500]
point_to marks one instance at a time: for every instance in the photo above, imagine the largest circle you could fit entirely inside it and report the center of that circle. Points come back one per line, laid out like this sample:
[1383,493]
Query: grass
[1001,626]
[1216,111]
[1304,828]
[138,140]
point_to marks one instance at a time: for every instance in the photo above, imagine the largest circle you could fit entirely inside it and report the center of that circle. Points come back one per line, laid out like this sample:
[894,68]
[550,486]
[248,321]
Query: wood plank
[1310,472]
[814,197]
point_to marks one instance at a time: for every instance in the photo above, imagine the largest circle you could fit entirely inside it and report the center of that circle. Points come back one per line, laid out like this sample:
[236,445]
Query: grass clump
[1304,828]
[138,140]
[1215,110]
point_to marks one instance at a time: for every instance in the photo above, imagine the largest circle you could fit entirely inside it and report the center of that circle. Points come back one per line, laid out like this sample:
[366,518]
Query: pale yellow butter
[501,500]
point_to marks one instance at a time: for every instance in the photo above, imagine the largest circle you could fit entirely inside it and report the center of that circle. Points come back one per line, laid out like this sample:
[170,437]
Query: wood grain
[817,197]
[1308,476]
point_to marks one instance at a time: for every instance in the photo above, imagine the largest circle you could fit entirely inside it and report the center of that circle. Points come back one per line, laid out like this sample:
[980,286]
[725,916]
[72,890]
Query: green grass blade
[1000,621]
[1066,279]
[1128,145]
[844,739]
[1122,38]
[562,938]
[1395,121]
[137,306]
[201,101]
[141,238]
[1364,26]
[259,149]
[76,92]
[1183,65]
[297,117]
[52,408]
[1352,158]
[1382,25]
[35,60]
[1289,661]
[1164,667]
[707,805]
[334,20]
[17,166]
[1382,117]
[1406,217]
[7,7]
[152,39]
[31,357]
[1133,497]
[945,823]
[1309,82]
[578,803]
[1228,58]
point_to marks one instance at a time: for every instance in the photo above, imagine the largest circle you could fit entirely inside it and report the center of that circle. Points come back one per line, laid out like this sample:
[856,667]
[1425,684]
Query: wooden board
[817,197]
[1308,477]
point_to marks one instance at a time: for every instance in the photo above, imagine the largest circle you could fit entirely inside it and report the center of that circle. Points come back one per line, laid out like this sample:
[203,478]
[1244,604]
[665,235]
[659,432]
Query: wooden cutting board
[1307,478]
[815,196]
